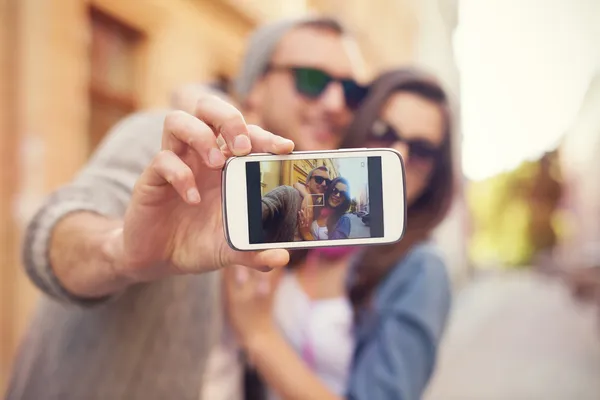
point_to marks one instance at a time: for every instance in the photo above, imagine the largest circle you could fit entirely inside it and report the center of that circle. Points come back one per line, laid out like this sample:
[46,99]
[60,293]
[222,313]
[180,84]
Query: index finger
[225,120]
[266,142]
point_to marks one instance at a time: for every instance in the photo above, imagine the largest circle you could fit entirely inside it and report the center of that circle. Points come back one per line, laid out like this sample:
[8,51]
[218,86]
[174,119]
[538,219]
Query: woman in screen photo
[332,221]
[361,323]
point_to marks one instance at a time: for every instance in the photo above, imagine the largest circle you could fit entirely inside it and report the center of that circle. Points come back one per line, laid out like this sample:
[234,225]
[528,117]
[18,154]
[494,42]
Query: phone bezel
[235,207]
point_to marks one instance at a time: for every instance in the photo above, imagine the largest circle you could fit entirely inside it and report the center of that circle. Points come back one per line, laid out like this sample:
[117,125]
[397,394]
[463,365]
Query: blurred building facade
[70,69]
[362,203]
[289,173]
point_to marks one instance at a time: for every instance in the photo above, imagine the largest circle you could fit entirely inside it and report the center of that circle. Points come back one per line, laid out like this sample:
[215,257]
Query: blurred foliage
[500,218]
[510,222]
[353,205]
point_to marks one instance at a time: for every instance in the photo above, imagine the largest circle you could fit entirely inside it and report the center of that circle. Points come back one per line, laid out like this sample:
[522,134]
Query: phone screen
[345,199]
[317,200]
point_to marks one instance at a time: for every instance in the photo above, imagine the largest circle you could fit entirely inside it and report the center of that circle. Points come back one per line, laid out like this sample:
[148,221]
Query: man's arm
[72,244]
[302,189]
[85,238]
[280,208]
[73,260]
[275,202]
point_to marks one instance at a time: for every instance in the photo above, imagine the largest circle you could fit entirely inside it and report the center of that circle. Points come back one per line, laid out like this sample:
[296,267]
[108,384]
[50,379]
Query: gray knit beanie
[262,45]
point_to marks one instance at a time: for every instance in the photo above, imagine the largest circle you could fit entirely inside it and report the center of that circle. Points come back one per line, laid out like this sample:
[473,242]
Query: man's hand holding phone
[174,221]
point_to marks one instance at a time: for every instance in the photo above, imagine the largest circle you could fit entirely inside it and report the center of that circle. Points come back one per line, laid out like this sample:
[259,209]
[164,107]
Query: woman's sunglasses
[417,148]
[312,82]
[336,192]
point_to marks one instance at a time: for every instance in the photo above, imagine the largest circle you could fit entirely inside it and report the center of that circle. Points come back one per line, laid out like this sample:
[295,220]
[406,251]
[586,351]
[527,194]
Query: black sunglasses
[383,132]
[320,180]
[312,82]
[335,191]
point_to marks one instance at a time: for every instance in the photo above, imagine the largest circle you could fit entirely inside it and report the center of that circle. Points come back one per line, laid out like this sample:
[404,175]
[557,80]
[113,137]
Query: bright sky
[524,67]
[356,173]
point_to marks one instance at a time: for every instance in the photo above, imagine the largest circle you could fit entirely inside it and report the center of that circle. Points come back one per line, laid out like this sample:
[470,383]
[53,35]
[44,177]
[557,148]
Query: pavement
[518,336]
[358,229]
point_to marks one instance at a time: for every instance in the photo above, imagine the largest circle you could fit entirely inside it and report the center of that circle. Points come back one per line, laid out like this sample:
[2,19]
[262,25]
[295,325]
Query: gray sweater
[152,341]
[280,208]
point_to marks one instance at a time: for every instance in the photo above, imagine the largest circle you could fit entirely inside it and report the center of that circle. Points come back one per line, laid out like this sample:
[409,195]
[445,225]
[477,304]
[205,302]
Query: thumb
[261,260]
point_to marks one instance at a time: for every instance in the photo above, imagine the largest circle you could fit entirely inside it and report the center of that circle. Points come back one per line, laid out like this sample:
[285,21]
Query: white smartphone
[318,200]
[360,194]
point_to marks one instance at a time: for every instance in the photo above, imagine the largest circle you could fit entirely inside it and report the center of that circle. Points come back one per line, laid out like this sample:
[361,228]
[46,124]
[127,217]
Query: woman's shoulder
[424,256]
[344,222]
[345,218]
[424,253]
[423,269]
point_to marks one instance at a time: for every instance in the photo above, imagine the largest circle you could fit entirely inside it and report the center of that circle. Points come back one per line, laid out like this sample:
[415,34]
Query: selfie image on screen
[314,199]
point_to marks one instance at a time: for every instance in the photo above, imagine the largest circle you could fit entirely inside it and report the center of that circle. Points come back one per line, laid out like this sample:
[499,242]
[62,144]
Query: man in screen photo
[281,206]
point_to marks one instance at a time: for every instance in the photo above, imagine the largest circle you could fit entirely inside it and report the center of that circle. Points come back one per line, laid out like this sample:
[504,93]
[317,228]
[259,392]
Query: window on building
[112,91]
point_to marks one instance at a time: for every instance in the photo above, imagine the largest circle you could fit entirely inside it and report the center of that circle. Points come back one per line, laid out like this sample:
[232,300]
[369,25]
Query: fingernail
[193,195]
[282,142]
[215,157]
[241,143]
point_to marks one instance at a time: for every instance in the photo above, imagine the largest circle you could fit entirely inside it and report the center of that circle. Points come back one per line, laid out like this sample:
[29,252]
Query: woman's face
[419,125]
[338,195]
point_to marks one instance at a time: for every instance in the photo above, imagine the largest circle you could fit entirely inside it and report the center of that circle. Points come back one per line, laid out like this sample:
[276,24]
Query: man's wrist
[258,342]
[113,253]
[125,272]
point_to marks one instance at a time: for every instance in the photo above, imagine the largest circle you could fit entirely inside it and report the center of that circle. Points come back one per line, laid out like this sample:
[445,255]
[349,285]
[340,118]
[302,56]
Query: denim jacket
[397,338]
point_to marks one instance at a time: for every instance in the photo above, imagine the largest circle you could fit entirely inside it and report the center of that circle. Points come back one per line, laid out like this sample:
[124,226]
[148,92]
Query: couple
[327,220]
[124,252]
[314,210]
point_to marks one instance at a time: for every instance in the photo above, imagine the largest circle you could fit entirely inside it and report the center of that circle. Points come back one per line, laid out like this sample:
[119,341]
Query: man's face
[318,182]
[313,123]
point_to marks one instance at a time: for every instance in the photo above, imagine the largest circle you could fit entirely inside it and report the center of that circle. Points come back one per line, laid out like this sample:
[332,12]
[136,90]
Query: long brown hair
[339,210]
[431,207]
